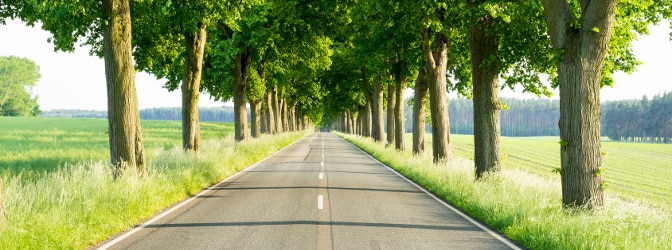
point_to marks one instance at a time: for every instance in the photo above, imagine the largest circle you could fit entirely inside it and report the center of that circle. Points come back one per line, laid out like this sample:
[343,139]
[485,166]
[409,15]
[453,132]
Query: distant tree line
[217,114]
[639,120]
[519,117]
[645,120]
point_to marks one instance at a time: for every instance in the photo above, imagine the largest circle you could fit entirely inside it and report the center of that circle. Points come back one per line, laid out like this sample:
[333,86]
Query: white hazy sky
[77,80]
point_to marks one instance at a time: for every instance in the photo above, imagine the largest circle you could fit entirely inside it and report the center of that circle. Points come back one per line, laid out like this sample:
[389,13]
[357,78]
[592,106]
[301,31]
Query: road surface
[318,193]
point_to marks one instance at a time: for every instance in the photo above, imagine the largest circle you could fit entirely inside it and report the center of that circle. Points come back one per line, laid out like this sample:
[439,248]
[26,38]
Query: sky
[77,80]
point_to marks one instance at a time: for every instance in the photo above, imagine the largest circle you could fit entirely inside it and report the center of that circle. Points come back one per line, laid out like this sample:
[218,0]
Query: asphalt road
[319,193]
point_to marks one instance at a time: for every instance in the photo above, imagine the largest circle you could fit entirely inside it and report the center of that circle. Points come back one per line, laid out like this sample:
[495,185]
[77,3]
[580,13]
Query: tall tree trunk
[484,74]
[436,61]
[366,115]
[378,129]
[125,136]
[270,115]
[255,114]
[264,119]
[191,83]
[241,66]
[419,105]
[391,103]
[285,117]
[277,110]
[400,131]
[579,76]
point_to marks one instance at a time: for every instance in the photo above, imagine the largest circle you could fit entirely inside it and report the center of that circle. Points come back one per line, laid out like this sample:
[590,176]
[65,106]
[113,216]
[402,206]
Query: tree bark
[378,129]
[263,119]
[270,115]
[435,65]
[483,46]
[366,115]
[579,74]
[400,132]
[391,103]
[277,110]
[285,117]
[419,105]
[241,66]
[125,137]
[191,83]
[255,115]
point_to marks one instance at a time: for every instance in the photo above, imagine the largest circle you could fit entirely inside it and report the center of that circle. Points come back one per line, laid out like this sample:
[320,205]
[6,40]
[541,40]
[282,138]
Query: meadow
[523,201]
[57,187]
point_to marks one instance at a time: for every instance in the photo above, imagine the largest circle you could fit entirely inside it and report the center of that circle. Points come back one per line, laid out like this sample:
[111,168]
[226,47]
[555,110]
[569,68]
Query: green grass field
[36,145]
[57,187]
[527,206]
[632,170]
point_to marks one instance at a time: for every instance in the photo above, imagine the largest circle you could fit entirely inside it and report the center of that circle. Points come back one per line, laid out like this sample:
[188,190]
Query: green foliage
[525,206]
[18,76]
[63,195]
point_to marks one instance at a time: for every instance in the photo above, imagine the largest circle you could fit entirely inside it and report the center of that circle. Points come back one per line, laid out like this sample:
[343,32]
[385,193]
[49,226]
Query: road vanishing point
[319,193]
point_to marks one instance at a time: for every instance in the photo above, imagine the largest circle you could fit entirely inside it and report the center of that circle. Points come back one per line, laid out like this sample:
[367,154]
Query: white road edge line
[467,217]
[320,202]
[185,202]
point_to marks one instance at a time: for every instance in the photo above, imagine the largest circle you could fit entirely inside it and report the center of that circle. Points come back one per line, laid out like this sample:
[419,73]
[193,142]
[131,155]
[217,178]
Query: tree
[18,76]
[581,32]
[170,43]
[436,62]
[106,25]
[505,39]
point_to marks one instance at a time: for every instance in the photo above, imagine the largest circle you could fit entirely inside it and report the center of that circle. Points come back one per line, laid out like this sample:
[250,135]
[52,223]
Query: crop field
[631,170]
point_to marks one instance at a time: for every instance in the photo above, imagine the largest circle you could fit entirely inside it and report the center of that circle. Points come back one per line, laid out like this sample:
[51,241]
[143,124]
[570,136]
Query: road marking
[321,176]
[185,202]
[320,202]
[445,204]
[321,164]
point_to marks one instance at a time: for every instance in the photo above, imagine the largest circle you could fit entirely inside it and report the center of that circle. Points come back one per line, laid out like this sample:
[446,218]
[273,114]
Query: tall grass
[527,207]
[77,205]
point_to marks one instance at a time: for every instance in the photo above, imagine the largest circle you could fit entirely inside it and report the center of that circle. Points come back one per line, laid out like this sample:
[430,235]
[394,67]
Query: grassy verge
[76,205]
[527,207]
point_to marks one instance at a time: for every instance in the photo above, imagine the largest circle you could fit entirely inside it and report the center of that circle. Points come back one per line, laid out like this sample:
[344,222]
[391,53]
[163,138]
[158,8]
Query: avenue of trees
[344,62]
[18,76]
